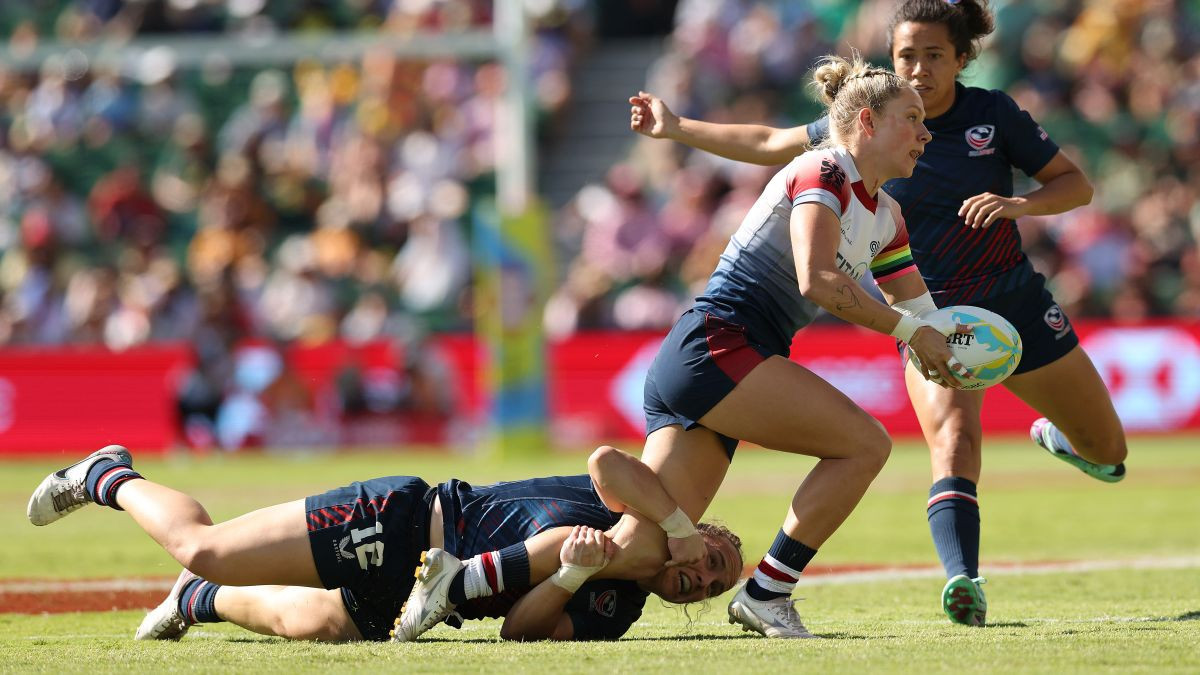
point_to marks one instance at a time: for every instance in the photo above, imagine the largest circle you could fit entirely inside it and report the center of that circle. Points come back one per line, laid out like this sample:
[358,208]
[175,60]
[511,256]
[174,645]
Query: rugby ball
[991,350]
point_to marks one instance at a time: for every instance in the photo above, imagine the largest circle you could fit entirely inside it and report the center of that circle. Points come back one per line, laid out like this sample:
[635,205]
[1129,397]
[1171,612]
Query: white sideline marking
[857,577]
[1005,569]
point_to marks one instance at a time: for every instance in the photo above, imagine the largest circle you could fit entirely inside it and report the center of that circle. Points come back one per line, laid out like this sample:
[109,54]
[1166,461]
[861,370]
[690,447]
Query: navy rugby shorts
[700,361]
[367,539]
[1046,332]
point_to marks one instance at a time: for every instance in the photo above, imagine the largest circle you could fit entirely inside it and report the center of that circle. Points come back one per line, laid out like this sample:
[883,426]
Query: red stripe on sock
[944,496]
[191,610]
[101,488]
[775,574]
[489,571]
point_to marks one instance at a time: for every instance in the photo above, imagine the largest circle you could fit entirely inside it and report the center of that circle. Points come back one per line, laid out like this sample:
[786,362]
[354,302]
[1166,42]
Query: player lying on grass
[624,485]
[265,570]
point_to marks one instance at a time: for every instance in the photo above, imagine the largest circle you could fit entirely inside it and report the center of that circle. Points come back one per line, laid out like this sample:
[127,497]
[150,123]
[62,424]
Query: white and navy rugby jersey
[755,283]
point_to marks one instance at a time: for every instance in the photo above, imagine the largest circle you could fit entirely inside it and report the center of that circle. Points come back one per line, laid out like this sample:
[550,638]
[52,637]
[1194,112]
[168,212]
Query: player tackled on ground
[265,570]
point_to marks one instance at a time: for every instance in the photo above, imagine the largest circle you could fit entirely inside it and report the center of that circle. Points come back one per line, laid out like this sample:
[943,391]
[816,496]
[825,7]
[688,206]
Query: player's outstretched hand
[984,209]
[587,547]
[686,550]
[651,117]
[933,358]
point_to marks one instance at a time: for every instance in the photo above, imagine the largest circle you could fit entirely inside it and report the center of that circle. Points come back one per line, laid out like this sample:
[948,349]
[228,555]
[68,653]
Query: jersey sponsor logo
[855,271]
[832,174]
[604,604]
[874,248]
[979,137]
[1057,321]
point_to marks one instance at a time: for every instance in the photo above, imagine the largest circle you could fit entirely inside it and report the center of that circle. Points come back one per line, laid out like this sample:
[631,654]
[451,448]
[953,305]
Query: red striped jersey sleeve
[817,178]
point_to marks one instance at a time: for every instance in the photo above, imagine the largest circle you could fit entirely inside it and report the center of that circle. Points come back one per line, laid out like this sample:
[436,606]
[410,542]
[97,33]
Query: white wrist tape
[570,577]
[918,306]
[677,525]
[906,327]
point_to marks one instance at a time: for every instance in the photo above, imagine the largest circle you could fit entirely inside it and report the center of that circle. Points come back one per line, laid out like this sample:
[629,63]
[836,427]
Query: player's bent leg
[852,447]
[267,546]
[691,465]
[1072,396]
[820,422]
[292,612]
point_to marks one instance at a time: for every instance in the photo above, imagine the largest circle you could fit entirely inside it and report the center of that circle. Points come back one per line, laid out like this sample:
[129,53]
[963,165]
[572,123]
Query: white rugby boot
[772,618]
[166,622]
[65,490]
[428,603]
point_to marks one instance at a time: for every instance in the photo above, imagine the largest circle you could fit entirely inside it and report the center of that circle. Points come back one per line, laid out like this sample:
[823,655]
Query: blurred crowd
[142,199]
[1115,82]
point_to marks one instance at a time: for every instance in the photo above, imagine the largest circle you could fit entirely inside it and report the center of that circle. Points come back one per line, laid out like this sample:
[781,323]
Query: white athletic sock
[484,576]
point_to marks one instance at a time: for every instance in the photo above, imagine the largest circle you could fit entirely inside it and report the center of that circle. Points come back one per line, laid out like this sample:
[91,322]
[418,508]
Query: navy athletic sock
[514,562]
[458,591]
[198,602]
[104,478]
[954,522]
[779,570]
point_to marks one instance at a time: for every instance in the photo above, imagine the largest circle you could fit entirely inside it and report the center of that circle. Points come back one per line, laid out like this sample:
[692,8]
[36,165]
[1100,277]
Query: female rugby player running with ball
[722,374]
[961,214]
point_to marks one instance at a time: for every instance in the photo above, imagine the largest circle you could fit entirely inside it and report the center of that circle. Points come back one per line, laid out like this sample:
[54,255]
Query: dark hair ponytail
[967,21]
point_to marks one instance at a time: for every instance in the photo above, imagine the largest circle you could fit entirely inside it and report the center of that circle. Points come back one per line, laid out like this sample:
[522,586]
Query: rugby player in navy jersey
[961,215]
[266,570]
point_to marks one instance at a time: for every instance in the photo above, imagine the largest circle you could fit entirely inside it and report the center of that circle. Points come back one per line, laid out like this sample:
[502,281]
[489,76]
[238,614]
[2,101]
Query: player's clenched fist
[587,547]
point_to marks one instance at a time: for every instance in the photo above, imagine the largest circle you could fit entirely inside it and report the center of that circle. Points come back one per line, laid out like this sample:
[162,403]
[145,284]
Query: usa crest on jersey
[979,137]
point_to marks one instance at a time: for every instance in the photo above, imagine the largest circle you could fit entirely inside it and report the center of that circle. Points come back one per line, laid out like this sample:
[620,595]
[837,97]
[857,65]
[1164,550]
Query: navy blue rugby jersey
[975,146]
[478,519]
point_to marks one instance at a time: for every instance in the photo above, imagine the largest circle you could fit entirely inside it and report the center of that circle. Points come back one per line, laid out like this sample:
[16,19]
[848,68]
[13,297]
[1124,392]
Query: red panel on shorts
[728,347]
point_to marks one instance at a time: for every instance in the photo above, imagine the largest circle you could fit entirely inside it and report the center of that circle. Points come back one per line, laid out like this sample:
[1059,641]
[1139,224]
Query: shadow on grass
[1187,616]
[693,638]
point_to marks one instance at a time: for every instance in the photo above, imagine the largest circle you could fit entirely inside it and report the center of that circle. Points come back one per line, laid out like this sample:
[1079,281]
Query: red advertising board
[69,399]
[1152,371]
[73,399]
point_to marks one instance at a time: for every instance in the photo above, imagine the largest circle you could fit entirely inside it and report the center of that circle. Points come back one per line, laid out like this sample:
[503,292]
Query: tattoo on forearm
[847,299]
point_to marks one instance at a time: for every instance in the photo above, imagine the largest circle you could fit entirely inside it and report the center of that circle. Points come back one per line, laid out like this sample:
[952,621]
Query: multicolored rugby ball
[991,350]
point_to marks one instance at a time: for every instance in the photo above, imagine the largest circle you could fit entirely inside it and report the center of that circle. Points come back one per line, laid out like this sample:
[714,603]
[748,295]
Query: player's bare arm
[751,143]
[539,615]
[1064,186]
[815,237]
[623,481]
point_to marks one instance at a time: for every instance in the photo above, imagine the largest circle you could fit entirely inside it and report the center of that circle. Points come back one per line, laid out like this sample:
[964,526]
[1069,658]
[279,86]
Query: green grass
[1034,509]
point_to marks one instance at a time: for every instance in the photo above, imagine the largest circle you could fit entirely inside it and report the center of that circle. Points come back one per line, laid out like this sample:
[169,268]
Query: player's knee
[953,445]
[197,556]
[875,445]
[1109,450]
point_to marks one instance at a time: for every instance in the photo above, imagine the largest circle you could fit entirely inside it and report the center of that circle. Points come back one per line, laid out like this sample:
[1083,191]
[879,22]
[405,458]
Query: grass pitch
[1144,615]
